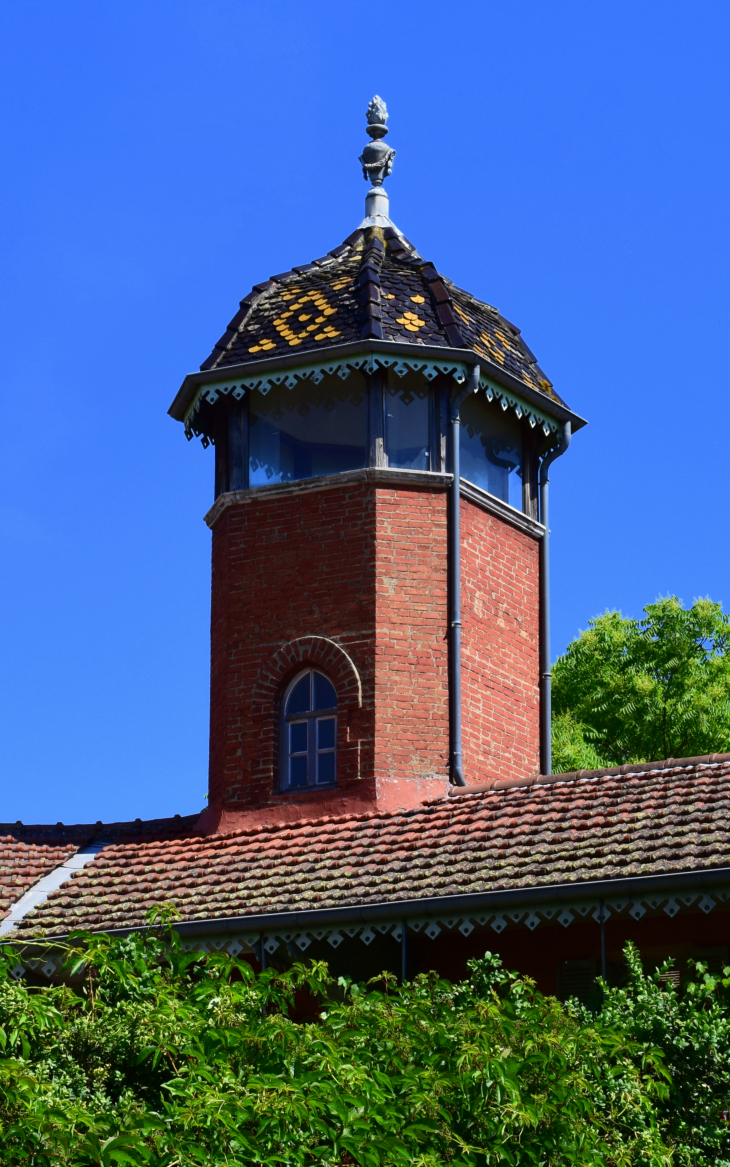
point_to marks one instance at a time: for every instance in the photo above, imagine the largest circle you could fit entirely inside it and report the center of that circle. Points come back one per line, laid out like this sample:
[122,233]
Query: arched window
[309,732]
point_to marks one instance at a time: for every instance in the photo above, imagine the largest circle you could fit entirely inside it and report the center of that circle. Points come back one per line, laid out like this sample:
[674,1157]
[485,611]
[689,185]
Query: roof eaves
[499,899]
[193,381]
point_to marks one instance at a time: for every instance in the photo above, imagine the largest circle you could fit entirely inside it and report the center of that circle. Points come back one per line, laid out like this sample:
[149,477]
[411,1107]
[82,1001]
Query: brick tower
[370,619]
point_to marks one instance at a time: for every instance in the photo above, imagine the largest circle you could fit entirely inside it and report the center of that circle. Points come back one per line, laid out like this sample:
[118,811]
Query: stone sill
[502,510]
[378,476]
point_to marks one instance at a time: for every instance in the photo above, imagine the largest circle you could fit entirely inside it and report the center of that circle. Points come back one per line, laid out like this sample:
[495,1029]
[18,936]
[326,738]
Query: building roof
[29,854]
[376,288]
[375,285]
[662,819]
[24,862]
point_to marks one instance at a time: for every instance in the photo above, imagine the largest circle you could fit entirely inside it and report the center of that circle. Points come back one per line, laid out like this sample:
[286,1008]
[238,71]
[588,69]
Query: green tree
[170,1059]
[641,690]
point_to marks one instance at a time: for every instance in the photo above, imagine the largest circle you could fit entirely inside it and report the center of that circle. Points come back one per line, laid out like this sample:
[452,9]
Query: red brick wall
[411,656]
[284,567]
[365,567]
[500,651]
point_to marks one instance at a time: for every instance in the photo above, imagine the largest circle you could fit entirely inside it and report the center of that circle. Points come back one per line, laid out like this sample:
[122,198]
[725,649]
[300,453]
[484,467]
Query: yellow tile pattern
[285,325]
[492,349]
[410,321]
[311,309]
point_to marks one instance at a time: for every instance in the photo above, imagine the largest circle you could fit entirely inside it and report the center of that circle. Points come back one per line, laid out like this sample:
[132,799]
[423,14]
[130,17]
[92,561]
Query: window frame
[524,469]
[313,751]
[393,386]
[232,439]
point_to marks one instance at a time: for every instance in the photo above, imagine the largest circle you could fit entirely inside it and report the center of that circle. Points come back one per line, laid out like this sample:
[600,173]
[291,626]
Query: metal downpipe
[546,697]
[456,764]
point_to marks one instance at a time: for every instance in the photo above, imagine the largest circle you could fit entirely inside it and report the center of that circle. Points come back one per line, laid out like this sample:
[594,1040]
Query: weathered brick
[365,567]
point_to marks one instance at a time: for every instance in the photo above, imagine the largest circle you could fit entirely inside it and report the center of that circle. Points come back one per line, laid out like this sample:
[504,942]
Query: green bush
[692,1028]
[155,1056]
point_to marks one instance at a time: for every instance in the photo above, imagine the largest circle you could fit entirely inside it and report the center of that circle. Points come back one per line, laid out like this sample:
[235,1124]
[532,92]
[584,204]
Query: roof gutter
[192,383]
[437,906]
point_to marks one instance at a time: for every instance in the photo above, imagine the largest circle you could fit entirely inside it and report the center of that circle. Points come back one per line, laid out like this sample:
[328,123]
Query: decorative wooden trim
[194,382]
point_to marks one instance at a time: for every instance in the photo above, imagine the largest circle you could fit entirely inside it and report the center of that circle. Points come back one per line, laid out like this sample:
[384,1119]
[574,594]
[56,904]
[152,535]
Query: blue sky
[566,162]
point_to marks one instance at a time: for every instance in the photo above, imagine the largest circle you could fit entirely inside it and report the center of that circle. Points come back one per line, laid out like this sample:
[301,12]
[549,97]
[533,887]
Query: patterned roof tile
[374,285]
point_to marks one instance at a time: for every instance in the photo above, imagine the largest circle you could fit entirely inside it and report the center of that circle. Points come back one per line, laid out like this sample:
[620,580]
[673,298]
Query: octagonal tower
[338,684]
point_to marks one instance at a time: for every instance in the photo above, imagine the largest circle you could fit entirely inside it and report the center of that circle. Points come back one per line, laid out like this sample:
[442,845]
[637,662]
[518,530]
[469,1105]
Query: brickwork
[354,579]
[500,654]
[411,657]
[286,570]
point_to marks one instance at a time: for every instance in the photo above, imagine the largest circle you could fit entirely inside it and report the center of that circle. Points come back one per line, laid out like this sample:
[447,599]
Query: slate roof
[375,286]
[672,818]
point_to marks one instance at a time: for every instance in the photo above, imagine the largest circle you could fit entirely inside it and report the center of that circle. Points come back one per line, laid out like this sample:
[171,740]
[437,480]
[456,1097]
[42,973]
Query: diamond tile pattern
[609,826]
[374,285]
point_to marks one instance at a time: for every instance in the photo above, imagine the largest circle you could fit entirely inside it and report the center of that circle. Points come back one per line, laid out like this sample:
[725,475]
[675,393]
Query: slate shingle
[375,284]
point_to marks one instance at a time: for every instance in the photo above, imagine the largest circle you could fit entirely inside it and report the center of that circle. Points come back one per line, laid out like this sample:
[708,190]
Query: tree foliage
[641,690]
[691,1026]
[171,1059]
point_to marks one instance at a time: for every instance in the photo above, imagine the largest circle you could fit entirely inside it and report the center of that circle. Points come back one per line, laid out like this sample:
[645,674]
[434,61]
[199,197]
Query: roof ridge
[248,302]
[368,285]
[167,818]
[578,775]
[442,304]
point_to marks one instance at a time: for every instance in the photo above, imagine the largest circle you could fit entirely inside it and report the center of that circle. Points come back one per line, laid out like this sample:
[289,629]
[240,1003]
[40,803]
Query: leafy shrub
[692,1028]
[172,1059]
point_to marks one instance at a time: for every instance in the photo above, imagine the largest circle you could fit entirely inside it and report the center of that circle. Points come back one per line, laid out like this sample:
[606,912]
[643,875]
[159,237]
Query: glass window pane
[326,733]
[298,771]
[491,449]
[299,701]
[326,767]
[406,420]
[324,693]
[298,737]
[308,430]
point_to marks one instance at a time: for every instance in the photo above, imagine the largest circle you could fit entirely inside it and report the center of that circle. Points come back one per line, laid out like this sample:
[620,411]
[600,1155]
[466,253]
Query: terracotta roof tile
[583,828]
[28,853]
[23,864]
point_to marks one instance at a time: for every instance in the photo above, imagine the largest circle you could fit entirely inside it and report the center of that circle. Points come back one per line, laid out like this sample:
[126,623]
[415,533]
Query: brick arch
[312,651]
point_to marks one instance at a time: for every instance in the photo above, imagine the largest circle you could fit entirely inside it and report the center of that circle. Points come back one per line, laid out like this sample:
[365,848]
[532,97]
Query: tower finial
[377,159]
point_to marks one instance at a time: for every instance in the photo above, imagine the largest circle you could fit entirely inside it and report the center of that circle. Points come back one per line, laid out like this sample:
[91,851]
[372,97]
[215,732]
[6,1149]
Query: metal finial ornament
[377,116]
[377,158]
